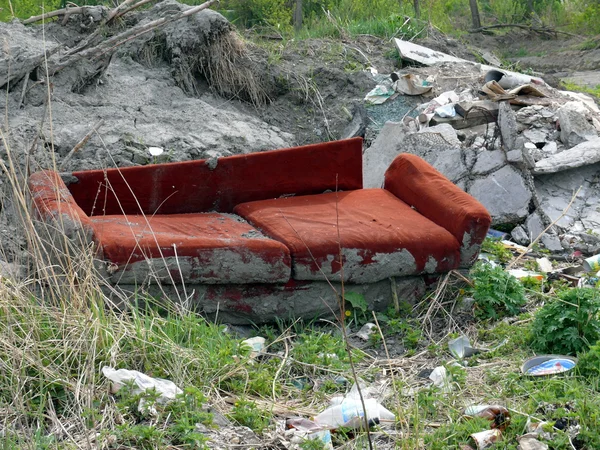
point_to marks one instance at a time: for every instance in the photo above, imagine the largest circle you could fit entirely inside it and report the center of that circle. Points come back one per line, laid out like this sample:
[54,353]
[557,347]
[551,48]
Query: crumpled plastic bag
[167,389]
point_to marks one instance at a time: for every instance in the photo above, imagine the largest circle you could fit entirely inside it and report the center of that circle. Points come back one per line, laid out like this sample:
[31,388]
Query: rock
[529,115]
[507,122]
[536,136]
[534,226]
[551,242]
[488,162]
[378,157]
[505,195]
[583,154]
[515,157]
[520,235]
[574,127]
[358,125]
[446,131]
[438,145]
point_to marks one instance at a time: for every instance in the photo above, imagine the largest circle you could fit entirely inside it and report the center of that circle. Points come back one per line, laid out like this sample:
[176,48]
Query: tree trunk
[298,16]
[474,13]
[417,9]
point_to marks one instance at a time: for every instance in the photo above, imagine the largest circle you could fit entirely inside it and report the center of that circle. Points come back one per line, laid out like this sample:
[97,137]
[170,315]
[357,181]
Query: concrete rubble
[525,163]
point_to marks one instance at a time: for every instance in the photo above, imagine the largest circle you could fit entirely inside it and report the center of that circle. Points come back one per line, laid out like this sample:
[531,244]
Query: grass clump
[568,324]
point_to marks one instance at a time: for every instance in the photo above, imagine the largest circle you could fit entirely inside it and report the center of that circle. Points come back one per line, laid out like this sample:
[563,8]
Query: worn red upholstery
[416,182]
[203,247]
[52,201]
[219,185]
[380,236]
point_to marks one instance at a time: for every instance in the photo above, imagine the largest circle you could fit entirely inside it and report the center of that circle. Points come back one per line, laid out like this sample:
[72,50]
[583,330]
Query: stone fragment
[534,226]
[358,125]
[583,154]
[574,127]
[515,157]
[520,235]
[488,161]
[536,135]
[529,115]
[551,242]
[505,195]
[507,122]
[378,157]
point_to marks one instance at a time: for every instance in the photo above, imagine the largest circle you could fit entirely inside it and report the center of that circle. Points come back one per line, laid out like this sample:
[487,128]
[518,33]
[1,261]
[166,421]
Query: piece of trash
[461,347]
[257,344]
[485,439]
[537,429]
[304,429]
[519,274]
[548,365]
[156,151]
[497,414]
[446,111]
[513,246]
[529,442]
[441,379]
[488,258]
[366,330]
[349,412]
[592,264]
[373,70]
[512,80]
[166,389]
[410,84]
[544,264]
[379,94]
[497,234]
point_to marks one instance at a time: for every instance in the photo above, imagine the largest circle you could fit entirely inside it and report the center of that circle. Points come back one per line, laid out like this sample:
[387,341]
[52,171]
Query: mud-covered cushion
[204,247]
[379,235]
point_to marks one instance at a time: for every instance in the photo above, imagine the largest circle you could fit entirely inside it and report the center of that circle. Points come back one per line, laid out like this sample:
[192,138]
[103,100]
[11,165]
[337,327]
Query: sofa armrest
[55,206]
[418,184]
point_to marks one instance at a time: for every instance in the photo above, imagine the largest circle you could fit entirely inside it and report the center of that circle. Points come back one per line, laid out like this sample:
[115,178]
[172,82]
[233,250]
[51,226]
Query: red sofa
[258,236]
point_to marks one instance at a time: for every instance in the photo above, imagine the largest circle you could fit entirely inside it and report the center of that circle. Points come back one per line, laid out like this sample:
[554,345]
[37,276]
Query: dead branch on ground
[68,11]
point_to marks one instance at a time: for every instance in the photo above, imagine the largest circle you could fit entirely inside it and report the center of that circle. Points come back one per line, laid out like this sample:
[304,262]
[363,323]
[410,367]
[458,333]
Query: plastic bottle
[496,413]
[350,414]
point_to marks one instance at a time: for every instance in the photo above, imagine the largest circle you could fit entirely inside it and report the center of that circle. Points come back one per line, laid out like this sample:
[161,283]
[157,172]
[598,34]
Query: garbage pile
[528,152]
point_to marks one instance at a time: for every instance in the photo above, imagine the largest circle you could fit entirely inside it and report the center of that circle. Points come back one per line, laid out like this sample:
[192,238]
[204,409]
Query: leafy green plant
[496,292]
[246,413]
[588,365]
[568,324]
[496,248]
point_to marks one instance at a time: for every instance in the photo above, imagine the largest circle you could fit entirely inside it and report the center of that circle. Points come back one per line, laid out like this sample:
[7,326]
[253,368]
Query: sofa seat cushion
[209,248]
[381,236]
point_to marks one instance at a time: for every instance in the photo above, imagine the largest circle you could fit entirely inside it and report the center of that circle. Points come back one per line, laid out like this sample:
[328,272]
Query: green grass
[570,86]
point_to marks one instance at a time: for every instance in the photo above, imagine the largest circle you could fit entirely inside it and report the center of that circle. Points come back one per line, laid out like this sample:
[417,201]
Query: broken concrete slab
[505,195]
[552,243]
[485,108]
[520,236]
[583,154]
[507,121]
[488,161]
[534,226]
[574,127]
[378,157]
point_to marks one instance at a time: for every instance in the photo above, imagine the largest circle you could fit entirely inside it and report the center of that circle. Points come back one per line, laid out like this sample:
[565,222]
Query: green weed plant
[496,293]
[568,324]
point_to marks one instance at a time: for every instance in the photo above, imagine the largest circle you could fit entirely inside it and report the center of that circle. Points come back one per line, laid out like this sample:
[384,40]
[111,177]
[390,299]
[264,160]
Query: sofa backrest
[219,185]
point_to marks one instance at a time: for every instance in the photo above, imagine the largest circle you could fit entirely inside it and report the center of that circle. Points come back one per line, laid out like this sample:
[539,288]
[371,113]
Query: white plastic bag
[167,389]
